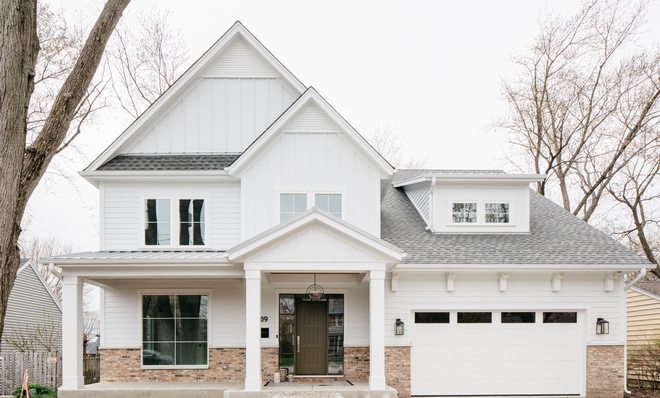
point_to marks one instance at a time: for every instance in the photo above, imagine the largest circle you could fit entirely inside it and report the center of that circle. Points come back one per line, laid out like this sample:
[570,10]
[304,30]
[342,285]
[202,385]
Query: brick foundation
[356,363]
[397,370]
[123,365]
[605,371]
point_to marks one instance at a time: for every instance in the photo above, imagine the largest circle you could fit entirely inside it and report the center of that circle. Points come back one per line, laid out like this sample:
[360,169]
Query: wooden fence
[43,367]
[92,369]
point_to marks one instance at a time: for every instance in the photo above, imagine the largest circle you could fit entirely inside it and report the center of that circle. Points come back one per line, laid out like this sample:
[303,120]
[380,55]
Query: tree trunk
[21,168]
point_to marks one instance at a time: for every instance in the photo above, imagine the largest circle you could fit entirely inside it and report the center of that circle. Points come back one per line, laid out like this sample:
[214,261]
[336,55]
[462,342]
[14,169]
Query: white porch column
[252,331]
[72,331]
[377,330]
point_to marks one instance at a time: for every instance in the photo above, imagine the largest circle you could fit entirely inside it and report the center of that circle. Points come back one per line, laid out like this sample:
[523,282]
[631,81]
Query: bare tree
[44,336]
[35,248]
[23,162]
[146,58]
[583,95]
[388,144]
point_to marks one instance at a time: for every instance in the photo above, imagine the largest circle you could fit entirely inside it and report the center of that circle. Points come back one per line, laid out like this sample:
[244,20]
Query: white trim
[472,178]
[314,215]
[189,78]
[310,96]
[208,292]
[513,267]
[98,177]
[644,292]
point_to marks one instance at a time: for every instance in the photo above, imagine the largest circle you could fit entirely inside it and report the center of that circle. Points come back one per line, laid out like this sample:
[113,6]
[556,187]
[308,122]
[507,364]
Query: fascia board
[313,215]
[521,178]
[411,181]
[184,271]
[189,77]
[122,262]
[644,292]
[516,267]
[309,96]
[95,177]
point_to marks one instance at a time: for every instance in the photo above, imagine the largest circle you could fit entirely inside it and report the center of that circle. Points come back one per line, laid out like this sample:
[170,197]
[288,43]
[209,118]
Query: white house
[240,193]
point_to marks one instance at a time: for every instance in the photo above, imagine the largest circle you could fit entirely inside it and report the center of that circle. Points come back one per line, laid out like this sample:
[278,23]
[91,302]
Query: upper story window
[191,216]
[330,202]
[497,212]
[292,204]
[464,212]
[157,222]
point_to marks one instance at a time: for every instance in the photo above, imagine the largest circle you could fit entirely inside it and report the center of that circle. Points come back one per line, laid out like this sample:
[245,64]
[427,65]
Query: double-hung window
[191,222]
[160,229]
[174,330]
[157,222]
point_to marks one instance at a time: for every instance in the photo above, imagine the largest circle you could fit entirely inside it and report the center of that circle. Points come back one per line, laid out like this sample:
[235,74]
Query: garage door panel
[497,359]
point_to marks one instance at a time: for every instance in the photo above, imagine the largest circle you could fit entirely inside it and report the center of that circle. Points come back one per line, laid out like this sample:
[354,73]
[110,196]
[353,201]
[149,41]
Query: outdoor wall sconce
[398,327]
[602,326]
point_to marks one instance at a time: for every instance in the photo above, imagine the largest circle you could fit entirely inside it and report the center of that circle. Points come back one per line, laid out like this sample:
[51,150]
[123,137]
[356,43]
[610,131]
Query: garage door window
[518,317]
[475,317]
[560,317]
[431,317]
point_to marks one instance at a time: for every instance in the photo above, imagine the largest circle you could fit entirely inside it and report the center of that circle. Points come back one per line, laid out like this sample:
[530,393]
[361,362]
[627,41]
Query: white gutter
[642,273]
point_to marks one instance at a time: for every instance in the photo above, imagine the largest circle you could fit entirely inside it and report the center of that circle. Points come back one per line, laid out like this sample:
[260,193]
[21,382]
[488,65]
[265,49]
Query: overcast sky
[431,70]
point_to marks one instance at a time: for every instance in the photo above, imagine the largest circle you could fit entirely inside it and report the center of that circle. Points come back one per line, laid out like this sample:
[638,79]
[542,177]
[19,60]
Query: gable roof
[556,238]
[188,78]
[314,215]
[309,97]
[649,288]
[27,264]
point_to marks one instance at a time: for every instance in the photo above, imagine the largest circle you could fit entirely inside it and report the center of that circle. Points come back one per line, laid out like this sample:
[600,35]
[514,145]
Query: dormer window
[157,222]
[464,212]
[497,213]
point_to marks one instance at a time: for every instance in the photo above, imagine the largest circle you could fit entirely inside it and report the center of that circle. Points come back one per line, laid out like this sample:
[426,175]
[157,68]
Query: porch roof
[144,256]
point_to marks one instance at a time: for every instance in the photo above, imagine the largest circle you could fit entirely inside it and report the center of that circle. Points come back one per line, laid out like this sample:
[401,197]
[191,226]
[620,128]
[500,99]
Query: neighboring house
[240,191]
[643,312]
[34,316]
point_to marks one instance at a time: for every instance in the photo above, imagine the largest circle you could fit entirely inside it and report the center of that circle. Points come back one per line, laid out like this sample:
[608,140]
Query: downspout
[642,273]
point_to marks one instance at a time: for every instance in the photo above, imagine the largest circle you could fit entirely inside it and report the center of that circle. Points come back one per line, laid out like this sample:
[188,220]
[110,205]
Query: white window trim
[311,199]
[209,323]
[175,222]
[481,213]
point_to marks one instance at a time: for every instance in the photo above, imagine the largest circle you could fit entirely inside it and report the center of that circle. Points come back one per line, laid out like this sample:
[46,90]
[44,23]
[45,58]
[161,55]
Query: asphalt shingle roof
[556,236]
[652,287]
[169,162]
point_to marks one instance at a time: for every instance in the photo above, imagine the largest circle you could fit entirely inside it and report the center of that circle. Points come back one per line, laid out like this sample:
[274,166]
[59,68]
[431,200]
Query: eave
[472,178]
[516,267]
[95,177]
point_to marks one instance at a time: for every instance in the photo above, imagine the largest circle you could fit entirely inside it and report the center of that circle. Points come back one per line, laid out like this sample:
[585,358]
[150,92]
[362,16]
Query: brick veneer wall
[123,365]
[605,371]
[356,363]
[397,370]
[270,363]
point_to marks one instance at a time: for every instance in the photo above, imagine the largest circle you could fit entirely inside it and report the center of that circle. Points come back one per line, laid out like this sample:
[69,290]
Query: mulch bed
[643,393]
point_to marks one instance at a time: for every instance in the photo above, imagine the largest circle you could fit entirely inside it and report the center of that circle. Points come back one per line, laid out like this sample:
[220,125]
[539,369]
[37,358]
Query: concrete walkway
[224,390]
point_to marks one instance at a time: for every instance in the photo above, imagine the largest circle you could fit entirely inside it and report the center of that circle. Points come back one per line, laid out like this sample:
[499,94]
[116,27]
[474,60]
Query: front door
[312,338]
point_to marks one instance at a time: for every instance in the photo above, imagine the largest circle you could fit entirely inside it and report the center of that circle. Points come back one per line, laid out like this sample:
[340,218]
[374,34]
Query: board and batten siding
[643,317]
[217,115]
[525,291]
[123,221]
[30,306]
[310,156]
[227,320]
[419,195]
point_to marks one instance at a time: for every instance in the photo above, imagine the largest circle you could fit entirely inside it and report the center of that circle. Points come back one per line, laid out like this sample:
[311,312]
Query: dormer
[474,202]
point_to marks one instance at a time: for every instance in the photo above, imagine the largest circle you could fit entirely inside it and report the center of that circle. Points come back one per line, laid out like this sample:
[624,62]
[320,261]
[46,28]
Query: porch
[225,390]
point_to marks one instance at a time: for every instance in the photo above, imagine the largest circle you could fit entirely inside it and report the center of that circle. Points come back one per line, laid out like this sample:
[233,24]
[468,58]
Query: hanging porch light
[315,292]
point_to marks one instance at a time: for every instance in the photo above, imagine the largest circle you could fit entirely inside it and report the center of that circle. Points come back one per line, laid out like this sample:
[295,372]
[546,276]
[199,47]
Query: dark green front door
[312,338]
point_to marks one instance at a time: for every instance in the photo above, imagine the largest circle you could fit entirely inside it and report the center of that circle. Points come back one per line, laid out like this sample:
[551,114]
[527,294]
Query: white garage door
[497,353]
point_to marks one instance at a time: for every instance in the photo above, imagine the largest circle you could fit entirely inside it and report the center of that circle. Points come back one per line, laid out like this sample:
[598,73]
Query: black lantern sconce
[602,326]
[399,327]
